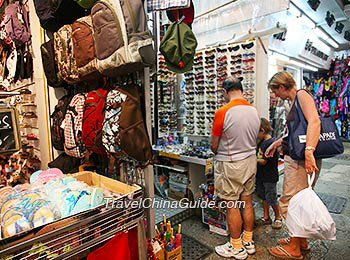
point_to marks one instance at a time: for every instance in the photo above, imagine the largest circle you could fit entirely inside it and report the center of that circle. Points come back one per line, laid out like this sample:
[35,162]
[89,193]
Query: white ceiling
[336,7]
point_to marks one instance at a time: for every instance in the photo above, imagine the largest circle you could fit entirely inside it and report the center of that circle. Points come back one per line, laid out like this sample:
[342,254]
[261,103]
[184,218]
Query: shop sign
[314,51]
[9,133]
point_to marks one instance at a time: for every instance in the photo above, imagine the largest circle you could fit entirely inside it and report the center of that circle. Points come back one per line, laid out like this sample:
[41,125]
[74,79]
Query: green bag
[87,4]
[178,47]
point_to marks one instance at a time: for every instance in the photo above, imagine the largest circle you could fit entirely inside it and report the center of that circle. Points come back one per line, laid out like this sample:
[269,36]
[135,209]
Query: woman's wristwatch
[310,148]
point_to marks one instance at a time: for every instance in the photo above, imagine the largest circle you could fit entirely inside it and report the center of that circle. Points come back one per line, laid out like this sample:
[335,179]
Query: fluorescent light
[307,21]
[333,43]
[294,11]
[321,34]
[302,65]
[280,56]
[311,68]
[297,63]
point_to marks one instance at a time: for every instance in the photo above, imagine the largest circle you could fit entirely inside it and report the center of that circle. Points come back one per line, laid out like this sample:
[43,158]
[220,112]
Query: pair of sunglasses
[221,50]
[247,46]
[249,60]
[236,61]
[235,48]
[234,57]
[252,54]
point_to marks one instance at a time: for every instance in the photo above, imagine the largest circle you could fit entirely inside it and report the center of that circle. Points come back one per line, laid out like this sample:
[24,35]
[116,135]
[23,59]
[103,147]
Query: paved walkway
[335,180]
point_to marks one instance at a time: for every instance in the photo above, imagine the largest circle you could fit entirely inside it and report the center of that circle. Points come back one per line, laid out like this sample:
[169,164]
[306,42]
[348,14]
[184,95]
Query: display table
[75,236]
[197,169]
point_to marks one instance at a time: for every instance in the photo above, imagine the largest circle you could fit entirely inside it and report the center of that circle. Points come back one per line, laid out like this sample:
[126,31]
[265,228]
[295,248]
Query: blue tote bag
[329,144]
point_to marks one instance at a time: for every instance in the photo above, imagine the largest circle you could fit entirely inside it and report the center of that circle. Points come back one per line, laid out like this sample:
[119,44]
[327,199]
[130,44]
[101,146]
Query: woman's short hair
[265,124]
[282,78]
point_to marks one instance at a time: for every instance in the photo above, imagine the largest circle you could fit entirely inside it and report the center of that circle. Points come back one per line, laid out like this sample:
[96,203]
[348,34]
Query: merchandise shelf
[76,236]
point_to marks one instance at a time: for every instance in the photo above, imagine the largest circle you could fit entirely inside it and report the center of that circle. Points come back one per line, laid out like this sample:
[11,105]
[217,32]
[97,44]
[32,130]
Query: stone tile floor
[334,179]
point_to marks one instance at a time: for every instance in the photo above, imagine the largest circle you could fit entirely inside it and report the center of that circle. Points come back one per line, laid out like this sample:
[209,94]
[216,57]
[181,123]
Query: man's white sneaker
[227,250]
[249,246]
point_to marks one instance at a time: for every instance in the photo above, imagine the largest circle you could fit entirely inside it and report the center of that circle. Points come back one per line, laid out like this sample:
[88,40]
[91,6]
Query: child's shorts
[267,191]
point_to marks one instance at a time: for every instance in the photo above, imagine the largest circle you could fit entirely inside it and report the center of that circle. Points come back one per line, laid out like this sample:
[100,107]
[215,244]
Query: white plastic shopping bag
[308,217]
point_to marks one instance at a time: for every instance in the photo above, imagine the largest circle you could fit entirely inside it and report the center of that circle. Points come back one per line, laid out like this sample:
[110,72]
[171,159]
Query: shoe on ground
[227,250]
[263,222]
[249,247]
[277,224]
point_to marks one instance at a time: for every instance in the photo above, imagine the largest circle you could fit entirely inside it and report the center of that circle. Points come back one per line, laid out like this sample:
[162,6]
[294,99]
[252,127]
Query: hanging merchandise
[123,43]
[124,133]
[66,163]
[24,67]
[53,14]
[331,92]
[84,48]
[64,52]
[17,23]
[157,5]
[73,123]
[93,120]
[53,76]
[167,112]
[177,14]
[178,47]
[87,4]
[204,93]
[58,115]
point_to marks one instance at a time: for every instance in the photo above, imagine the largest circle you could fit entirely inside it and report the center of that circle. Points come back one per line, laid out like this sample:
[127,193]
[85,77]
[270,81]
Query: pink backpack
[17,23]
[73,127]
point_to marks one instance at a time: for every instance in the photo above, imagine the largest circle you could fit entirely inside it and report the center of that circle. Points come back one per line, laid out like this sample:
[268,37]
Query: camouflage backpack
[84,48]
[64,52]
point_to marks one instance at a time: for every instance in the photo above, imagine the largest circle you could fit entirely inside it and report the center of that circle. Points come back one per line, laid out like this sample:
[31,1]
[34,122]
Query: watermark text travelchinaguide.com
[166,204]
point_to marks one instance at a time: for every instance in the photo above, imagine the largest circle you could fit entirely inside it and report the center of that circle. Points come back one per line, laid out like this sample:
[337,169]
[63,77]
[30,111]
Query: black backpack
[57,133]
[66,163]
[52,74]
[53,14]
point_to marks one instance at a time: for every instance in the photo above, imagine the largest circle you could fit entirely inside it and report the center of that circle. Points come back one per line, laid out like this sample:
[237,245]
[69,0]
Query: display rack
[204,93]
[75,236]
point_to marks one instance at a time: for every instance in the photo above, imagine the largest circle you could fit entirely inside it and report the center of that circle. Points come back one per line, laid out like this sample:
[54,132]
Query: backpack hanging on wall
[53,77]
[87,4]
[93,120]
[73,124]
[84,48]
[124,132]
[53,14]
[122,40]
[17,23]
[58,115]
[64,53]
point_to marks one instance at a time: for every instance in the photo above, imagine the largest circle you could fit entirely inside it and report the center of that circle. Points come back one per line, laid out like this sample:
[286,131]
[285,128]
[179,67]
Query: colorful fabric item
[156,5]
[333,105]
[119,243]
[110,136]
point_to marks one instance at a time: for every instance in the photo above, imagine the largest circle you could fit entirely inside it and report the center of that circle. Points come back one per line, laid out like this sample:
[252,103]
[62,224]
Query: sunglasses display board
[167,112]
[204,93]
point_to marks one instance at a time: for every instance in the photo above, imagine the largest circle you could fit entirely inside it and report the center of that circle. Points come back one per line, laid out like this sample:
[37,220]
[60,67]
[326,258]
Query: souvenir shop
[109,102]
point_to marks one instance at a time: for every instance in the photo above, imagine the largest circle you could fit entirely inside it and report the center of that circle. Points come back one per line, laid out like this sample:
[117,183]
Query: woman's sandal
[286,241]
[283,254]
